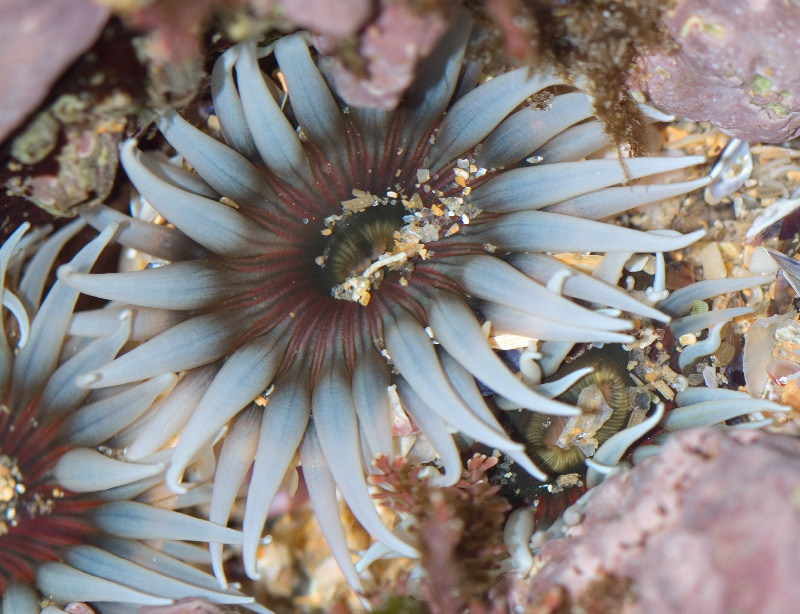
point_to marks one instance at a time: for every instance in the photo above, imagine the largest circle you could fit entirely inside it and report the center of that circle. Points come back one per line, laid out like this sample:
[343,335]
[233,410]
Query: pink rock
[390,47]
[711,525]
[736,67]
[334,18]
[39,39]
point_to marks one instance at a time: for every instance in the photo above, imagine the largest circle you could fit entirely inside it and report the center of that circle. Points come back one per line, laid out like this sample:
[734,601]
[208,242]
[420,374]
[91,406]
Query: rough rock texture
[386,67]
[335,18]
[39,39]
[711,525]
[736,67]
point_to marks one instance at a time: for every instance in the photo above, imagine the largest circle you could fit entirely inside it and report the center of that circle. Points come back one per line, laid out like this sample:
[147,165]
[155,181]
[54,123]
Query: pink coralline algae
[388,66]
[736,67]
[335,18]
[39,39]
[711,524]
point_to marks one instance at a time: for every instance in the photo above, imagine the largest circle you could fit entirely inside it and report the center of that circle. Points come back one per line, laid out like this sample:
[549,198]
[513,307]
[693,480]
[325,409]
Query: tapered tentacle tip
[168,121]
[660,316]
[625,325]
[129,154]
[695,235]
[64,272]
[173,478]
[528,465]
[250,568]
[438,478]
[215,552]
[554,408]
[86,380]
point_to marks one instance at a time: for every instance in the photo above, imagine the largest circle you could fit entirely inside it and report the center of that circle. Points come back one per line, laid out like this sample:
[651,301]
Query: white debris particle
[579,431]
[356,287]
[452,203]
[710,376]
[331,220]
[415,202]
[568,480]
[664,390]
[509,342]
[423,175]
[229,202]
[362,201]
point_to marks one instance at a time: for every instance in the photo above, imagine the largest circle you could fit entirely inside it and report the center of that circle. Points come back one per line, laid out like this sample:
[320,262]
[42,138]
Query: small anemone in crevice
[695,406]
[529,527]
[560,445]
[73,519]
[319,242]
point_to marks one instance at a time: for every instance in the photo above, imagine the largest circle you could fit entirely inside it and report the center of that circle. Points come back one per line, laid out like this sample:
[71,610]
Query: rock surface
[39,39]
[711,524]
[736,67]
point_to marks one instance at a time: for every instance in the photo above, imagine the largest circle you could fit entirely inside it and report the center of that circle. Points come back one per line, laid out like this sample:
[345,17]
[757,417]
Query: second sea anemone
[73,518]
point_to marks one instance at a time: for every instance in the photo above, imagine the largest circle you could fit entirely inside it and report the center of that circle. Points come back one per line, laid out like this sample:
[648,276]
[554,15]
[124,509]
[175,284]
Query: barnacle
[72,518]
[313,250]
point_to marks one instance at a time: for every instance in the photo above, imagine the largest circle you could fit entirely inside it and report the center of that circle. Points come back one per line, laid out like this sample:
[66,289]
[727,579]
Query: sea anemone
[320,250]
[71,517]
[561,445]
[697,406]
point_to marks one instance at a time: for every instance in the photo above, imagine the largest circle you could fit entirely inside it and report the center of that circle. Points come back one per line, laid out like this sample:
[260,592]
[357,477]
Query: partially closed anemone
[315,247]
[72,519]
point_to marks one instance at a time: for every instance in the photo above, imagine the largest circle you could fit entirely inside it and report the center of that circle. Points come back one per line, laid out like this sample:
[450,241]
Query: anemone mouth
[354,242]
